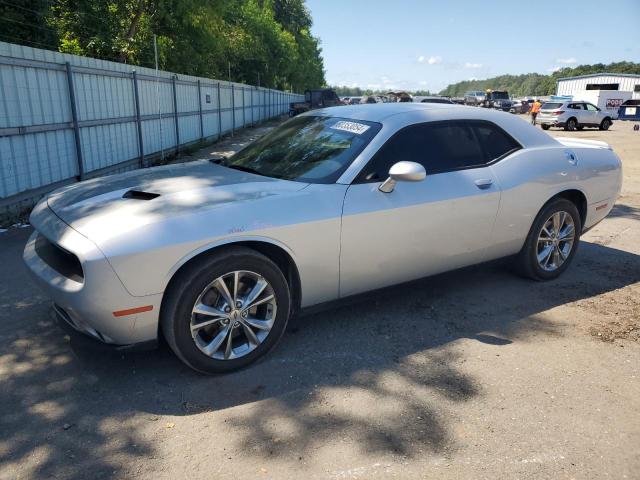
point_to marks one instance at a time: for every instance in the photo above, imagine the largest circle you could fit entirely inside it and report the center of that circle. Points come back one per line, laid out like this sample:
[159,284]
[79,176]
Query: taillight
[558,112]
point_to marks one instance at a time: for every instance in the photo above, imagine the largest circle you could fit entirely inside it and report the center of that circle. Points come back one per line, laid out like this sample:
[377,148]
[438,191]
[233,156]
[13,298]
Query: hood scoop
[139,195]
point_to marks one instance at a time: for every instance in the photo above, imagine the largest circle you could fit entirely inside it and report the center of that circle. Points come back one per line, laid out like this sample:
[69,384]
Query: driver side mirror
[403,172]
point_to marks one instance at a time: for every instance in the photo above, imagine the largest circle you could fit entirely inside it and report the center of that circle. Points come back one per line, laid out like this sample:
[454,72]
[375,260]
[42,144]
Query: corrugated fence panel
[37,141]
[102,143]
[99,97]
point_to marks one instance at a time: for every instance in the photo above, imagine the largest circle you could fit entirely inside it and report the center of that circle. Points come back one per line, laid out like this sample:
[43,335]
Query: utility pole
[229,71]
[155,53]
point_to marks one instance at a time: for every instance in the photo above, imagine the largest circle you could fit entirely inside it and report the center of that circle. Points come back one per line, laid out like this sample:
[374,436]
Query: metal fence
[65,118]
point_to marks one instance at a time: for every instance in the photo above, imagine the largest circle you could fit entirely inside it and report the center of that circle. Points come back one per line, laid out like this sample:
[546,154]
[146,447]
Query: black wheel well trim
[277,254]
[575,196]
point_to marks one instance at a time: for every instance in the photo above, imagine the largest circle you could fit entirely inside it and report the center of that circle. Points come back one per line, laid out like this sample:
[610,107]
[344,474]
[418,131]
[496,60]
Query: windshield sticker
[352,127]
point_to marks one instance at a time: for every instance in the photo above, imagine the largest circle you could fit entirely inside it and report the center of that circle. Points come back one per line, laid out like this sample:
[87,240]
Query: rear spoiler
[578,142]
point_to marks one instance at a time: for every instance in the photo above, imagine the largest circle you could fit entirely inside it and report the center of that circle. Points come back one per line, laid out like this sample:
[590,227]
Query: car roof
[394,116]
[379,111]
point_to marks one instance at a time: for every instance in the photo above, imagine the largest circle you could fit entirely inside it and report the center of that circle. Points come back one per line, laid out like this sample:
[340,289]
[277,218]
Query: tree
[255,40]
[534,83]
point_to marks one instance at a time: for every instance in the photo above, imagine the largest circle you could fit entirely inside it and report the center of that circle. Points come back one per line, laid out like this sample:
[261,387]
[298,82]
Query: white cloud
[472,65]
[432,60]
[423,82]
[373,86]
[567,61]
[553,69]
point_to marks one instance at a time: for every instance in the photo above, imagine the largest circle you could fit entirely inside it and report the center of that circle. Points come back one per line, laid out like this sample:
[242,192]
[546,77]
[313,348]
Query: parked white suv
[573,116]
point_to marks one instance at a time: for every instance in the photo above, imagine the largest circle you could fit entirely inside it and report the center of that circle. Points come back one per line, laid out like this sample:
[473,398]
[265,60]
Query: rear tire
[606,123]
[532,261]
[198,284]
[571,125]
[545,127]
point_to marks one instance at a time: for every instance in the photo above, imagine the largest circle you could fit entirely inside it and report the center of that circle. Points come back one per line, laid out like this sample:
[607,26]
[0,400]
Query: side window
[439,147]
[495,141]
[591,108]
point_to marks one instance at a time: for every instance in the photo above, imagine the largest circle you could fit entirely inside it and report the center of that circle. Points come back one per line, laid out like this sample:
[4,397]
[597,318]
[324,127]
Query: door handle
[483,183]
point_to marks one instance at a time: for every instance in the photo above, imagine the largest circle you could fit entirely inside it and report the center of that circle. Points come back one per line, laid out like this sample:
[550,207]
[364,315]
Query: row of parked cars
[499,100]
[570,114]
[392,99]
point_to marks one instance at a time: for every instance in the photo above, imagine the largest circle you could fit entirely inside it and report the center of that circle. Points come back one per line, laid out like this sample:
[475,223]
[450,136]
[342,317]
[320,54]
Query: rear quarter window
[495,142]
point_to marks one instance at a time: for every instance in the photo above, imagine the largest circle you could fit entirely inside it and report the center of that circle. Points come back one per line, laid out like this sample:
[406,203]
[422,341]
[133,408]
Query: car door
[422,228]
[592,113]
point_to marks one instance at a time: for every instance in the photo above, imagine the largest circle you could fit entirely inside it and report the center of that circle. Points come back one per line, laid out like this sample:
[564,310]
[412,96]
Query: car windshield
[314,149]
[632,103]
[500,95]
[550,106]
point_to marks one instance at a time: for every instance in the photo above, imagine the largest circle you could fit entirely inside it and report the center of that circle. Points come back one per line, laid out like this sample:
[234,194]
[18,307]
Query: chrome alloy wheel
[555,241]
[233,315]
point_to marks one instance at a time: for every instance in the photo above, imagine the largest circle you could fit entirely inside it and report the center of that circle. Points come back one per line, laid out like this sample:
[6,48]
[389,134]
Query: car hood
[150,195]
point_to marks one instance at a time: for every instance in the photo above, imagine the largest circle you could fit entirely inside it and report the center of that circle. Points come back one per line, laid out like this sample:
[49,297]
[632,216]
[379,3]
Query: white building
[623,82]
[606,90]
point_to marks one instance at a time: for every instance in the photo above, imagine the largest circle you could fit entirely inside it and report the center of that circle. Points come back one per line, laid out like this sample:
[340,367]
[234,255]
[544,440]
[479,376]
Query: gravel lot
[472,374]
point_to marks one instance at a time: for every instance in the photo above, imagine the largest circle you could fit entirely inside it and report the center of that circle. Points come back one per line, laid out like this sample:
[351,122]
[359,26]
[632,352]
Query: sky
[426,45]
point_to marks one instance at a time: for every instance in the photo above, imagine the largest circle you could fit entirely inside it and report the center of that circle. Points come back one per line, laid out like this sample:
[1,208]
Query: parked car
[474,98]
[629,110]
[573,115]
[436,99]
[520,106]
[313,99]
[355,100]
[497,99]
[216,256]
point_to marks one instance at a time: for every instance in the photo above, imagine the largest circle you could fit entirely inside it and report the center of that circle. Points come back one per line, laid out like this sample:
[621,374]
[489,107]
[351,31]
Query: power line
[28,24]
[21,40]
[42,14]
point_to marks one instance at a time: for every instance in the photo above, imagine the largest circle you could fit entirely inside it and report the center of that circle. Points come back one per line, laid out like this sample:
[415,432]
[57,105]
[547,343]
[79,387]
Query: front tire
[545,127]
[552,241]
[606,123]
[225,311]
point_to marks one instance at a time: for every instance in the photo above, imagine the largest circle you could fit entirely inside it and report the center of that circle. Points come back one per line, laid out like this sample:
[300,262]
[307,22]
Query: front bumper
[89,303]
[90,338]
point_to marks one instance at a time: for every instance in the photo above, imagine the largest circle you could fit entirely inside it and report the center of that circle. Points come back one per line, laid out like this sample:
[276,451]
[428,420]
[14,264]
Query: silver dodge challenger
[217,255]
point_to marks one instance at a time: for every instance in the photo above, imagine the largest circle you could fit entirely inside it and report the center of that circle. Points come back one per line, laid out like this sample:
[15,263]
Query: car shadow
[397,349]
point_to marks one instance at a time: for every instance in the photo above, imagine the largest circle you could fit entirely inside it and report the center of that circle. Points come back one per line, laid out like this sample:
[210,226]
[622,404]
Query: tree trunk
[132,29]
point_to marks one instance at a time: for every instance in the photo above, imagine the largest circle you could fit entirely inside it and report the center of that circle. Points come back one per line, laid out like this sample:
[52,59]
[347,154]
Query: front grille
[63,262]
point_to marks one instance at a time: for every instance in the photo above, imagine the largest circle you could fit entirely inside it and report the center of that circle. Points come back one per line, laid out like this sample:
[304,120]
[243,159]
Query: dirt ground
[473,374]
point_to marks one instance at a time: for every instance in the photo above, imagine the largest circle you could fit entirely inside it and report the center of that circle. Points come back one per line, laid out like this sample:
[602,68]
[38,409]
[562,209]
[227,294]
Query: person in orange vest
[535,108]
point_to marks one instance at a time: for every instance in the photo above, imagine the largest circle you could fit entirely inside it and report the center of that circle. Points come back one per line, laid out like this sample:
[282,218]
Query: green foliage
[251,41]
[534,83]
